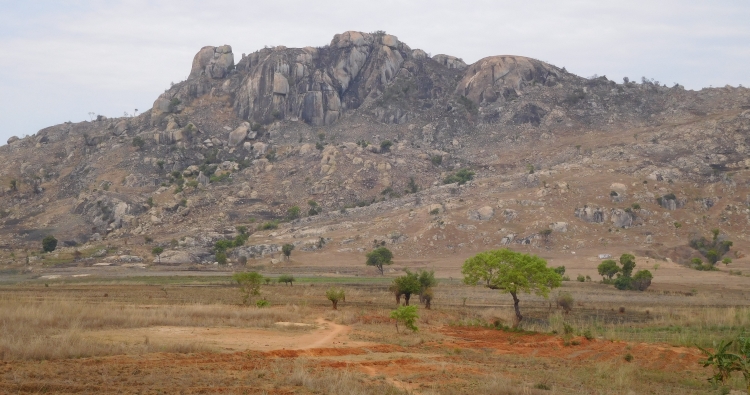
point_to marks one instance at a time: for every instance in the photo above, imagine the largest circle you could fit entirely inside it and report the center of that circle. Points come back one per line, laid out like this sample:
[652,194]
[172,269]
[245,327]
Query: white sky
[63,59]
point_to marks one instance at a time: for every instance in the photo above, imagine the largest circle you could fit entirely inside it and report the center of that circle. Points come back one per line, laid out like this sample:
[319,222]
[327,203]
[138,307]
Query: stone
[176,257]
[561,227]
[13,139]
[482,214]
[621,218]
[239,134]
[590,214]
[450,62]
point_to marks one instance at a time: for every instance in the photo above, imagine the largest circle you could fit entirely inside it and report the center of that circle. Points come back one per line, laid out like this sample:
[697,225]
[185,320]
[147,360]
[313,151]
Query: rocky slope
[368,129]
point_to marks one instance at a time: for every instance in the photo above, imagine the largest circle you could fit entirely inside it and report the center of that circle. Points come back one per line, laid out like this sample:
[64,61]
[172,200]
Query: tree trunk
[406,298]
[427,304]
[519,317]
[380,267]
[398,298]
[335,304]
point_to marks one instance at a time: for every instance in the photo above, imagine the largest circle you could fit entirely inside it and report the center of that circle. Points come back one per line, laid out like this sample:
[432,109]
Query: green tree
[407,285]
[642,280]
[608,268]
[406,315]
[379,257]
[286,279]
[335,295]
[49,243]
[156,251]
[426,282]
[249,283]
[628,264]
[712,256]
[511,272]
[315,208]
[287,250]
[385,146]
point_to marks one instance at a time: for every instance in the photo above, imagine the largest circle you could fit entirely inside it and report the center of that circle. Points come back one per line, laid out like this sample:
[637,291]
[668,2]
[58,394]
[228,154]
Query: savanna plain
[193,334]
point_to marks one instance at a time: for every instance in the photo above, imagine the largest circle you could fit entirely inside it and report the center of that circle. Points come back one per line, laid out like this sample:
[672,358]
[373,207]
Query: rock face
[215,62]
[621,218]
[482,214]
[296,83]
[450,62]
[591,214]
[502,78]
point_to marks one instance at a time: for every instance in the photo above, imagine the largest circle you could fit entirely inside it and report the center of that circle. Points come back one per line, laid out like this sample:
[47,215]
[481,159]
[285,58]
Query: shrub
[335,295]
[138,142]
[261,303]
[385,146]
[315,208]
[623,282]
[293,213]
[49,243]
[221,257]
[249,283]
[461,177]
[636,206]
[412,187]
[581,278]
[407,315]
[269,225]
[436,160]
[435,211]
[565,301]
[173,104]
[559,270]
[157,251]
[242,260]
[286,279]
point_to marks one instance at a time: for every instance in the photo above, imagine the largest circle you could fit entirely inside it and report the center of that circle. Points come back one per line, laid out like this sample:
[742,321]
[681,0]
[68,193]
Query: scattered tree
[628,264]
[49,243]
[335,295]
[157,251]
[286,279]
[511,272]
[406,315]
[287,250]
[407,285]
[293,213]
[138,142]
[315,208]
[642,280]
[249,283]
[379,257]
[565,301]
[608,269]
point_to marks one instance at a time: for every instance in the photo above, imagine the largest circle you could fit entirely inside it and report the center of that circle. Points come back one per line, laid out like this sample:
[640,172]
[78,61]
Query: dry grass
[48,329]
[342,381]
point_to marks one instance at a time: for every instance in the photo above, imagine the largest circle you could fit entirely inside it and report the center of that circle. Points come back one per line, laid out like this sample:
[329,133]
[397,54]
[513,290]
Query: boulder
[504,78]
[559,226]
[201,60]
[176,257]
[239,134]
[621,218]
[591,214]
[482,214]
[509,214]
[13,139]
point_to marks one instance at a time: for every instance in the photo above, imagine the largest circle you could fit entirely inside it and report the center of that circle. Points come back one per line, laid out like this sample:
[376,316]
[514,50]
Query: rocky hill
[362,135]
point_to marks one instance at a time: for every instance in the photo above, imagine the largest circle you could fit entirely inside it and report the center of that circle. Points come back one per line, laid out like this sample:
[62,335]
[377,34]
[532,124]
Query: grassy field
[457,350]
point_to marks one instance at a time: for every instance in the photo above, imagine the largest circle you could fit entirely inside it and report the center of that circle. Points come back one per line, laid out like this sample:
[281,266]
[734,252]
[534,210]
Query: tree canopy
[511,272]
[608,268]
[379,257]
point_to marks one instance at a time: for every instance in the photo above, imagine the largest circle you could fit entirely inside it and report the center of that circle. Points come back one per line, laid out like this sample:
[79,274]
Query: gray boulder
[621,218]
[482,214]
[238,135]
[591,214]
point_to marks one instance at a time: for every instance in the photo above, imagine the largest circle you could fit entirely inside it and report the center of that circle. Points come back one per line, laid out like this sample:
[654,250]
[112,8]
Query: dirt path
[228,339]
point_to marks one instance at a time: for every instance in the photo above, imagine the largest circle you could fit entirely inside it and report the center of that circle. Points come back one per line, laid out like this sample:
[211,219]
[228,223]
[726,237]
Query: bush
[406,315]
[261,303]
[623,282]
[286,279]
[49,243]
[221,257]
[249,283]
[242,260]
[560,270]
[436,160]
[565,301]
[269,225]
[287,249]
[581,278]
[385,146]
[138,142]
[461,177]
[293,213]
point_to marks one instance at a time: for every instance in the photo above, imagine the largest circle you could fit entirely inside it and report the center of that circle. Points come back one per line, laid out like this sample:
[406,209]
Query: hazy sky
[64,59]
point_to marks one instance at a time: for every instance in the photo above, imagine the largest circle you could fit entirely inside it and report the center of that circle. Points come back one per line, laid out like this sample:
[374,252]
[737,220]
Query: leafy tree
[49,243]
[286,279]
[249,283]
[407,285]
[623,282]
[221,258]
[156,251]
[565,300]
[511,272]
[335,295]
[426,281]
[427,296]
[628,264]
[287,250]
[642,280]
[407,315]
[379,257]
[608,268]
[726,261]
[712,256]
[223,245]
